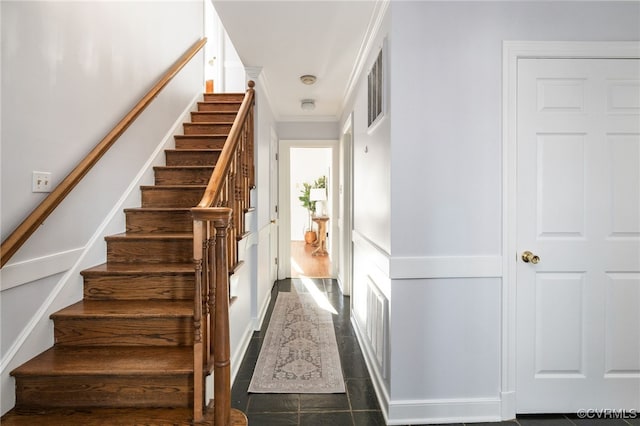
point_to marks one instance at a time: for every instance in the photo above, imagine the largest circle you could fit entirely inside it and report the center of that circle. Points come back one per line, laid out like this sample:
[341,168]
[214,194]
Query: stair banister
[22,233]
[218,225]
[224,162]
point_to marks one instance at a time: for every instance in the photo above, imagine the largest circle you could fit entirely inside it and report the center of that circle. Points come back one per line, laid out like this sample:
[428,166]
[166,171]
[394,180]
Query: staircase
[124,355]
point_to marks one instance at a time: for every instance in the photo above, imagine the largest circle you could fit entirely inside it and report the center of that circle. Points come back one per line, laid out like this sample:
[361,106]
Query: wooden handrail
[224,162]
[22,233]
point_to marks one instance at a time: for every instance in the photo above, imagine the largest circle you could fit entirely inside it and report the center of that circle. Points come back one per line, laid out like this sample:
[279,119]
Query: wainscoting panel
[377,325]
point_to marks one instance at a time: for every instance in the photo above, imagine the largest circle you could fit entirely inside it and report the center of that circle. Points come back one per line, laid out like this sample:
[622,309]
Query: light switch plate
[41,182]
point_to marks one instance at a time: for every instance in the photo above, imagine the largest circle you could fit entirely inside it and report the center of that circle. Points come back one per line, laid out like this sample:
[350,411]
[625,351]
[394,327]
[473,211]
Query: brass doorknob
[527,257]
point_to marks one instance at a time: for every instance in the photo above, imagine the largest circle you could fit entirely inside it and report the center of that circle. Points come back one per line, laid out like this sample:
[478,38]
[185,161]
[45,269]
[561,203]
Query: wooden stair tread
[109,360]
[150,236]
[233,113]
[98,416]
[199,136]
[139,268]
[157,209]
[188,167]
[222,101]
[127,309]
[196,150]
[158,187]
[228,123]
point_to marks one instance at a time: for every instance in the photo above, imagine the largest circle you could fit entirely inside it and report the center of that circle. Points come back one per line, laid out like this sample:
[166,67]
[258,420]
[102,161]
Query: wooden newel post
[198,372]
[218,219]
[222,349]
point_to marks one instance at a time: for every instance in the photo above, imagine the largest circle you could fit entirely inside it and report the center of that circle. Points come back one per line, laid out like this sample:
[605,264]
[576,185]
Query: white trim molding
[438,411]
[513,51]
[27,271]
[402,268]
[427,267]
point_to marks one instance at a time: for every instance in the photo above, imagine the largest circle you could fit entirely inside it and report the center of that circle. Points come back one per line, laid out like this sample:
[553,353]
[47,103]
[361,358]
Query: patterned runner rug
[299,353]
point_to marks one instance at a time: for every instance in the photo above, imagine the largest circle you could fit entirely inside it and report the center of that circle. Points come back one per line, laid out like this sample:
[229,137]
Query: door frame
[345,192]
[512,51]
[284,204]
[273,204]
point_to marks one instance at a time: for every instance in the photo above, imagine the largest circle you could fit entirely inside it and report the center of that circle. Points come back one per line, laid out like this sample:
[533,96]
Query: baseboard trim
[241,349]
[262,314]
[376,377]
[439,411]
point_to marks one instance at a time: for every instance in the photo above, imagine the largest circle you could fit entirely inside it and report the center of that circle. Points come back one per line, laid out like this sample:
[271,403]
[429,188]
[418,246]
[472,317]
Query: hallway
[358,406]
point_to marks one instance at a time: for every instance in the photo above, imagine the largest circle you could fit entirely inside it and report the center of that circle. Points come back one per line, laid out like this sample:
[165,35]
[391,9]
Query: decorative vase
[310,237]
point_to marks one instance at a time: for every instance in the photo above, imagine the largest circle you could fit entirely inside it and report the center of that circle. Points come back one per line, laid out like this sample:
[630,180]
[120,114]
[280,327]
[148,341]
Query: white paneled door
[578,214]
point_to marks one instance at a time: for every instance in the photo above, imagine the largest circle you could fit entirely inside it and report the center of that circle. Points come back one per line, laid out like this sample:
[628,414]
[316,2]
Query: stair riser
[171,197]
[139,287]
[159,221]
[191,158]
[82,331]
[206,129]
[195,142]
[227,107]
[209,97]
[184,176]
[150,251]
[105,391]
[212,117]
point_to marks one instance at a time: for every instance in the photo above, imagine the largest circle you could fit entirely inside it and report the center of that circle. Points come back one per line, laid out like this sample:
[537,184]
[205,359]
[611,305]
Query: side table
[322,236]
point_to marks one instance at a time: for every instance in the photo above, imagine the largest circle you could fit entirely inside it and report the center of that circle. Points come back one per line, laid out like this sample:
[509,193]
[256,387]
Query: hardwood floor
[303,264]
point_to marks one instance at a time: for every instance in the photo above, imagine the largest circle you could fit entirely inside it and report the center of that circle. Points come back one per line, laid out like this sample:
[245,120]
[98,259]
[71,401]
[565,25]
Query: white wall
[371,214]
[307,130]
[442,264]
[70,72]
[447,143]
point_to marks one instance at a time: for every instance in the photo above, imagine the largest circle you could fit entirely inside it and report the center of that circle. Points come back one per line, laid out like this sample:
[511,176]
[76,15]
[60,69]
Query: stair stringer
[37,336]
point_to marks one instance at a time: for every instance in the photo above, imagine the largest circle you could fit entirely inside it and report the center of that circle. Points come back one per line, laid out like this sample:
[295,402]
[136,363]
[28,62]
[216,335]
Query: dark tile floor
[358,406]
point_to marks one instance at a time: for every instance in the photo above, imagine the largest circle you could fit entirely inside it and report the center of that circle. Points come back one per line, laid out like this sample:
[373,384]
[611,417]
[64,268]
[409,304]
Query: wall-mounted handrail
[22,233]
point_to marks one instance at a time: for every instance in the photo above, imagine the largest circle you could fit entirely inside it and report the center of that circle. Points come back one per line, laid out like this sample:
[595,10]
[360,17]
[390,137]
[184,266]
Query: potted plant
[305,197]
[310,235]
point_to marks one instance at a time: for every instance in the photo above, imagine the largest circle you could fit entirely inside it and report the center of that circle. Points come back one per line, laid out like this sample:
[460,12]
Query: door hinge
[276,207]
[275,260]
[276,156]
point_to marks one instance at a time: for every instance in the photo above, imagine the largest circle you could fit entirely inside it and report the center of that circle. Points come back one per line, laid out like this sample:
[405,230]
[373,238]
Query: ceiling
[288,39]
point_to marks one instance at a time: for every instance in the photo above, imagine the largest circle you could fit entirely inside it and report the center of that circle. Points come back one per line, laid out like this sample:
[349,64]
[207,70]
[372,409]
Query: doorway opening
[308,162]
[310,206]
